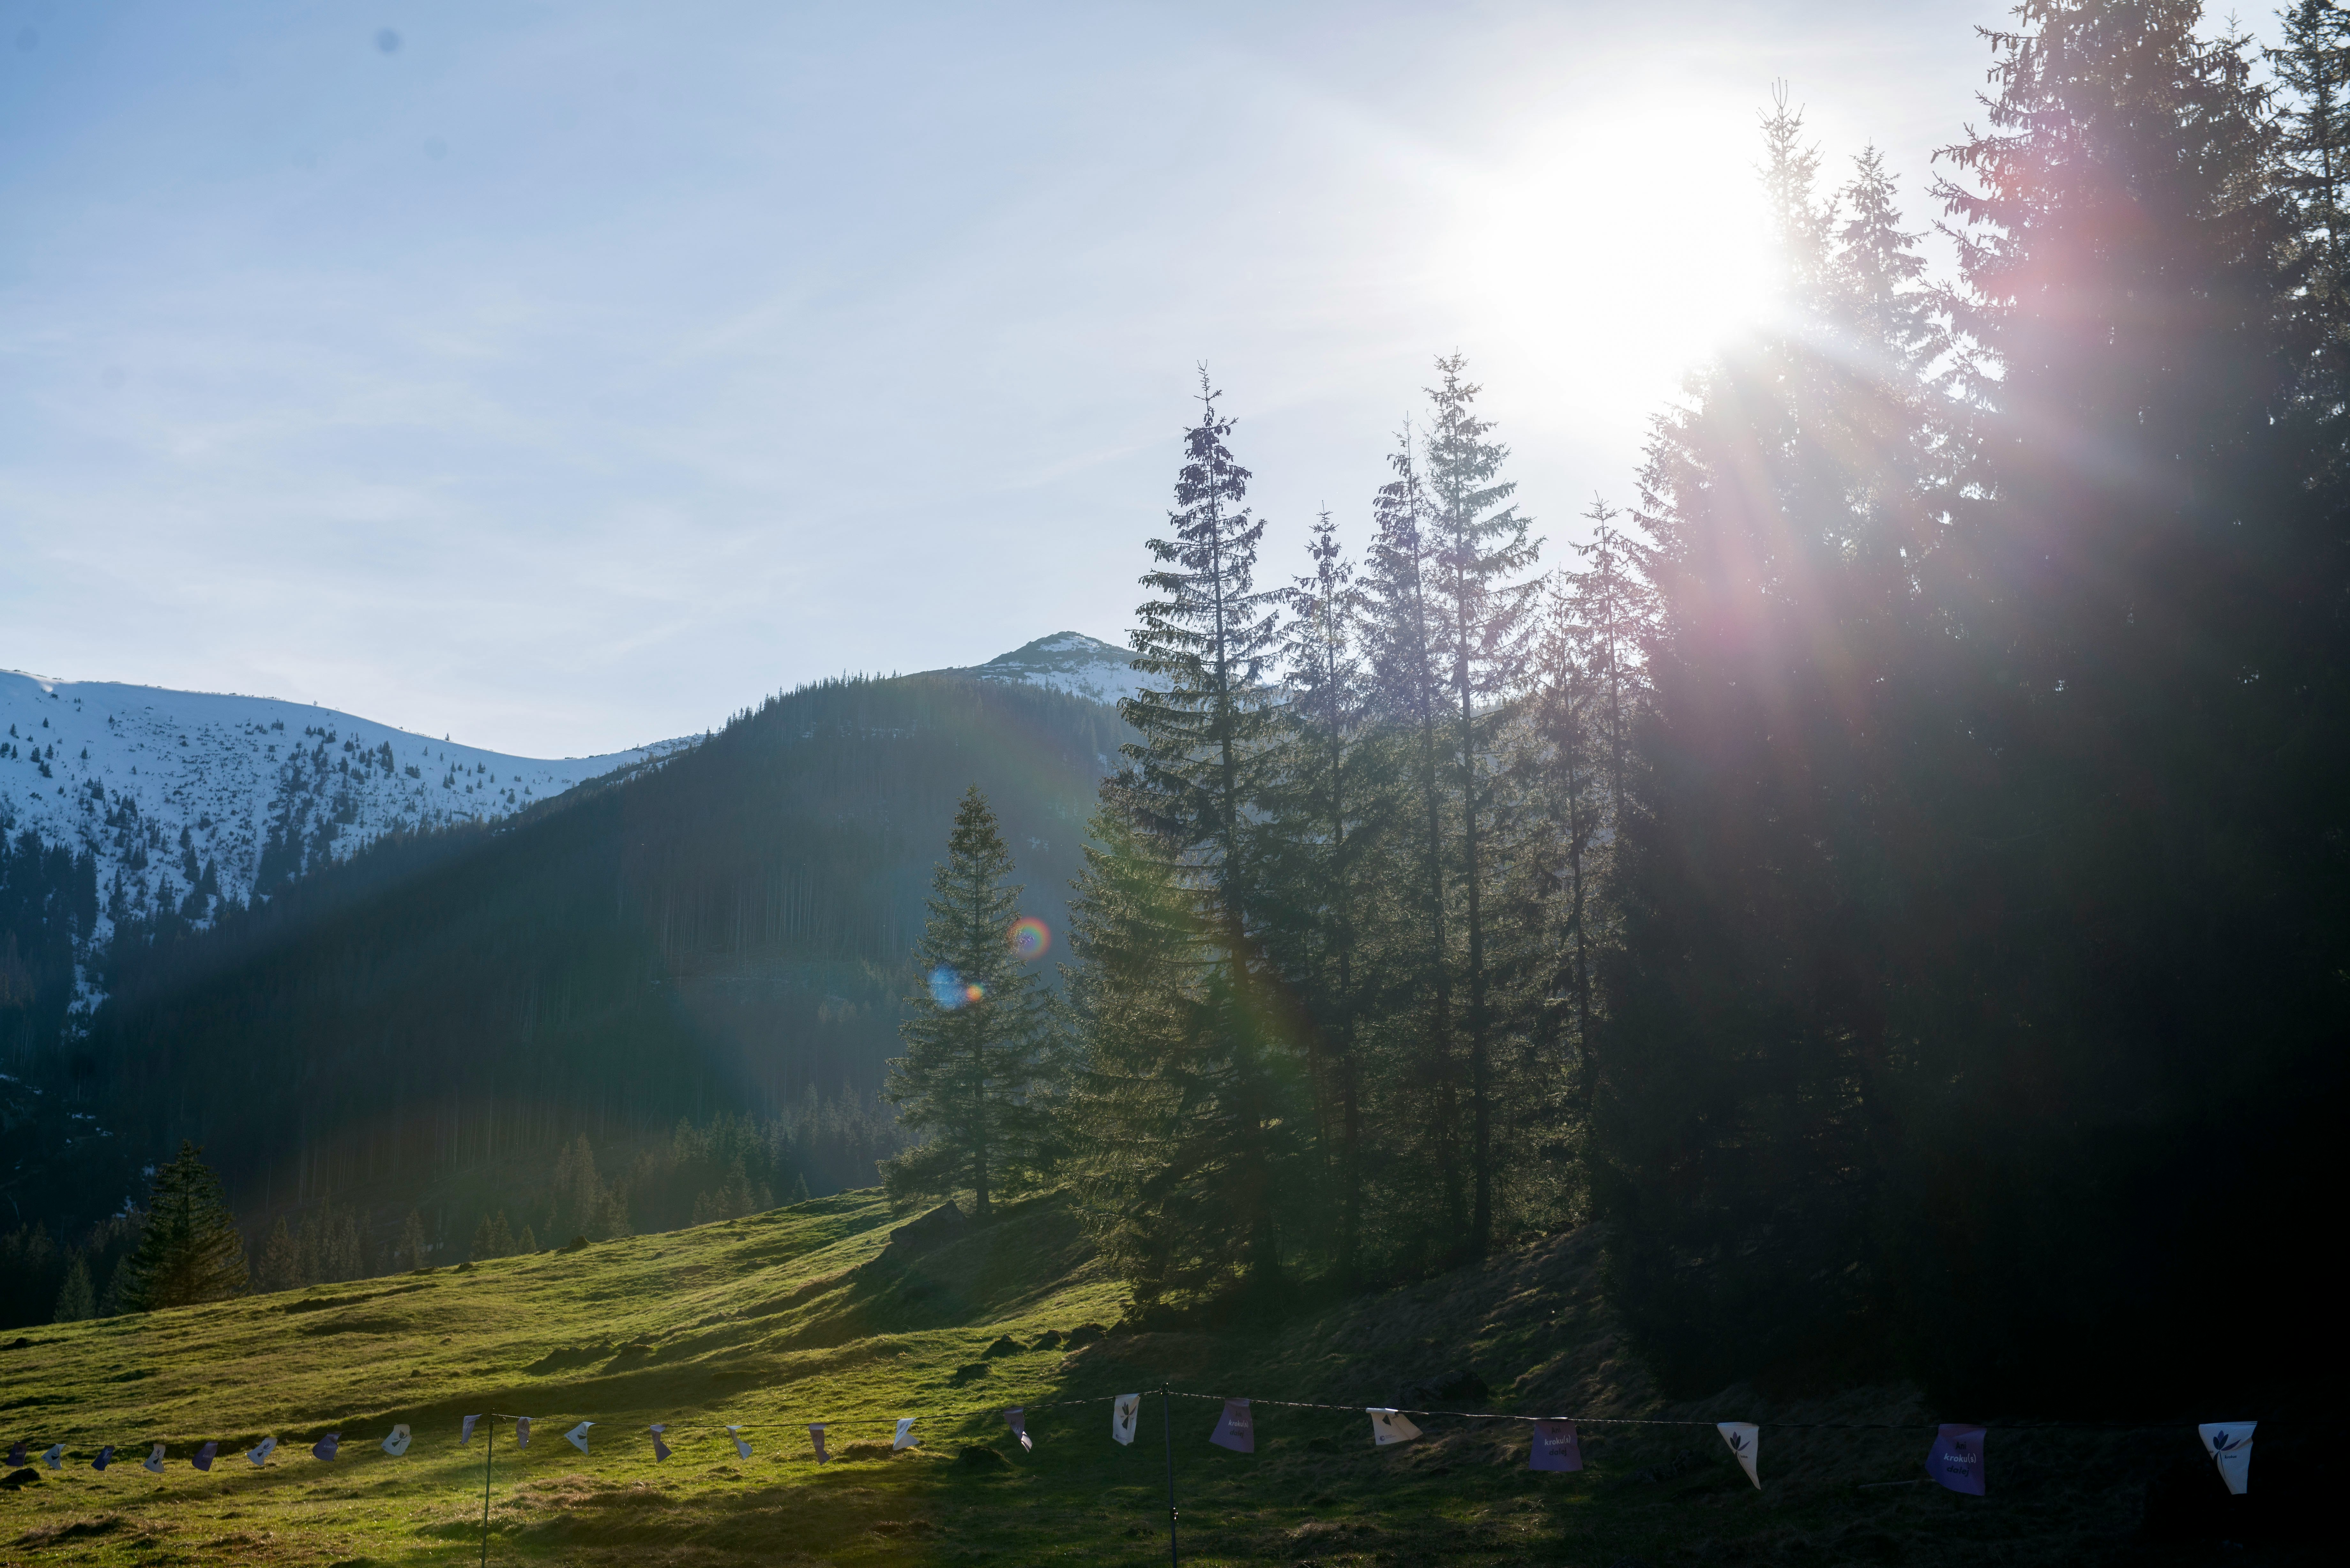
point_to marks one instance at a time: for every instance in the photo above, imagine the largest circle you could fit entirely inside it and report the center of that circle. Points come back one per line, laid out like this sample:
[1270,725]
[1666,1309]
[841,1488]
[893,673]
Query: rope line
[704,1434]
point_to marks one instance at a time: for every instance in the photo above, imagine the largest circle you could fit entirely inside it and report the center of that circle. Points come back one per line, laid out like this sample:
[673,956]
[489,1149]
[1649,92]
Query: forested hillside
[436,1022]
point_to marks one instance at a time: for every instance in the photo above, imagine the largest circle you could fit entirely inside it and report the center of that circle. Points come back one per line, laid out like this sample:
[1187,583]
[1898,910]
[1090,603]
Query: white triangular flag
[577,1436]
[1743,1437]
[905,1437]
[260,1456]
[2230,1444]
[466,1436]
[741,1449]
[1388,1425]
[155,1465]
[55,1456]
[1123,1412]
[397,1444]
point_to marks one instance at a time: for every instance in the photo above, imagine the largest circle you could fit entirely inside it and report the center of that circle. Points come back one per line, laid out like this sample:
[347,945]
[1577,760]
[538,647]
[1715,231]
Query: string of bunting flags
[1954,1460]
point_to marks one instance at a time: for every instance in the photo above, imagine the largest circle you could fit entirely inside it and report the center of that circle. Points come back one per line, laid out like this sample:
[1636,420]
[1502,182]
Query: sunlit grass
[796,1315]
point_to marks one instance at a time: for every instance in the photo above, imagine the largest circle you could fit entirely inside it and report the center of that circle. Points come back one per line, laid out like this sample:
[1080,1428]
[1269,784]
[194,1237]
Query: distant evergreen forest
[698,968]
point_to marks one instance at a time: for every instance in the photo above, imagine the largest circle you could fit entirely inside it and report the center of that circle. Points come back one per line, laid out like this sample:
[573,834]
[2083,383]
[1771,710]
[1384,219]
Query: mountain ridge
[185,800]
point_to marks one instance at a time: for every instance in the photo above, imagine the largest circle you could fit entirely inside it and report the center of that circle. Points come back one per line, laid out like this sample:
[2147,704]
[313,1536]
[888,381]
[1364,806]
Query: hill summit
[1067,661]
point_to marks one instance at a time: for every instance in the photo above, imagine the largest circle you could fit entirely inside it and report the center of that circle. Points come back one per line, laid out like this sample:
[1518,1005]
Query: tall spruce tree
[1188,799]
[1206,716]
[1403,641]
[2154,700]
[190,1251]
[1747,1022]
[973,1081]
[1582,696]
[1482,600]
[1322,813]
[2313,69]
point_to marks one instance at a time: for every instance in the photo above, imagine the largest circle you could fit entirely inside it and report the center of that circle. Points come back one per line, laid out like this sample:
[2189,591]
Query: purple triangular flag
[1556,1447]
[17,1454]
[521,1431]
[660,1450]
[815,1436]
[204,1455]
[1956,1460]
[1018,1417]
[105,1457]
[324,1447]
[1234,1430]
[466,1436]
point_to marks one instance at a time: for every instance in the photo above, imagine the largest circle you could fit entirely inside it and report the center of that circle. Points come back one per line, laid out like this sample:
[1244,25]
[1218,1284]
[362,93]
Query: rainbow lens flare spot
[1031,937]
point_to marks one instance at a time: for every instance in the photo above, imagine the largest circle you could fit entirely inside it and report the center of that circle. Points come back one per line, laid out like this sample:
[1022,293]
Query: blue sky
[560,376]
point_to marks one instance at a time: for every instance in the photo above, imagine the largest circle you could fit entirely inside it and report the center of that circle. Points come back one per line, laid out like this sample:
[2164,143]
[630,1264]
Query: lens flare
[1031,937]
[951,990]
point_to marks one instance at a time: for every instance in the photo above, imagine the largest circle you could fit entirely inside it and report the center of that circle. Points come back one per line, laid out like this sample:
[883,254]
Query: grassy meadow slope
[809,1313]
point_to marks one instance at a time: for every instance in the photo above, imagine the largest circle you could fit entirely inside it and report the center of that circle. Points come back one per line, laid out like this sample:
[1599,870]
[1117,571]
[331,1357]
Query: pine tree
[76,1302]
[2138,556]
[190,1251]
[1482,602]
[972,1078]
[281,1260]
[2314,70]
[413,1247]
[1207,717]
[1188,795]
[1739,1087]
[1568,737]
[1322,811]
[1183,1152]
[1407,698]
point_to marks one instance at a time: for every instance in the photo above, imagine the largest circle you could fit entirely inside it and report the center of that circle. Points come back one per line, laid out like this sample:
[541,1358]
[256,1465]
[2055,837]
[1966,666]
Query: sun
[1614,248]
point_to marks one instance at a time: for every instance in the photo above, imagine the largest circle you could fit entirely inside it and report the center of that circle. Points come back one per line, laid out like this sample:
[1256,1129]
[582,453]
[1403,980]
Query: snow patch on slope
[186,799]
[1066,661]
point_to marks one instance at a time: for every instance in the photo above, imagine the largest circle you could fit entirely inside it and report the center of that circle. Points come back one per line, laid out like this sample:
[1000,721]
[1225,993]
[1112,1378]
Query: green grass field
[806,1313]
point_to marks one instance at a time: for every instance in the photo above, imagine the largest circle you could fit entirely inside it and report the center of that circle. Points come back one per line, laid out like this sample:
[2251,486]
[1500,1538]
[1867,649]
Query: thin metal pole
[1167,1425]
[486,1453]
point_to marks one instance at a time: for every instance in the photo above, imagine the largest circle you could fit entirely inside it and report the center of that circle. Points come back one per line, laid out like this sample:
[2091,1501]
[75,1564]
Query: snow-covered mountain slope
[1066,661]
[185,797]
